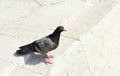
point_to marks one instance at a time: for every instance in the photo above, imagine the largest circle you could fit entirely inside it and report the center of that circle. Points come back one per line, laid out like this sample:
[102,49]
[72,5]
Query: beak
[64,30]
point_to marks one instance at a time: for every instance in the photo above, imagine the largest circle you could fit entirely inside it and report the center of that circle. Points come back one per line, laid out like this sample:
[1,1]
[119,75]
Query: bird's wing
[45,44]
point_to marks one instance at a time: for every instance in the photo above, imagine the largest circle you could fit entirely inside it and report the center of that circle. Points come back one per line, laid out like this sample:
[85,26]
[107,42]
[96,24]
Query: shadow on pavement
[32,58]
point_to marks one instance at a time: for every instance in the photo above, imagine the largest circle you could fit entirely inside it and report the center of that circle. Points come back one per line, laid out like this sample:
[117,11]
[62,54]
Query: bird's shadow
[32,58]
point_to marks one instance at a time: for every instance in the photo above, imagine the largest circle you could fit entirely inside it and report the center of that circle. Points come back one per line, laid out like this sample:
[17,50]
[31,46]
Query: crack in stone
[70,37]
[30,70]
[14,37]
[51,3]
[7,35]
[38,3]
[19,66]
[4,60]
[88,66]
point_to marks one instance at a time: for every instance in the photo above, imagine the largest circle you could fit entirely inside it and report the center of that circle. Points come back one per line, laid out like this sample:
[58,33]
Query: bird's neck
[55,36]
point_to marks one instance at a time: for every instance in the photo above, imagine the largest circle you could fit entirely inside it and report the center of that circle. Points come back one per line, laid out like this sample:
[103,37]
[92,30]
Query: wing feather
[45,44]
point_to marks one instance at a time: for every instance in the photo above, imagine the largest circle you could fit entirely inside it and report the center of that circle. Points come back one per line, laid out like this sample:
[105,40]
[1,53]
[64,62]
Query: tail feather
[22,52]
[25,49]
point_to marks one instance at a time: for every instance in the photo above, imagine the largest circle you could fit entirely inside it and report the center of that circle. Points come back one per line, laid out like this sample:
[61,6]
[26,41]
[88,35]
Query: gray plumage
[44,45]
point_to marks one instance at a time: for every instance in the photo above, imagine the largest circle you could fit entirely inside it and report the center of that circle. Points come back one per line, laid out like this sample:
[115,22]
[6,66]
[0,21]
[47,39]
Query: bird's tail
[22,52]
[26,49]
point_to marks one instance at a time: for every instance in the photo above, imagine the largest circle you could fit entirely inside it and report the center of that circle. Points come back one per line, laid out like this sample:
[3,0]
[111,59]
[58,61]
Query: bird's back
[44,44]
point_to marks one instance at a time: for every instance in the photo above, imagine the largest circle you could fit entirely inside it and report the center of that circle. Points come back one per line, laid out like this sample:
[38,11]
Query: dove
[43,45]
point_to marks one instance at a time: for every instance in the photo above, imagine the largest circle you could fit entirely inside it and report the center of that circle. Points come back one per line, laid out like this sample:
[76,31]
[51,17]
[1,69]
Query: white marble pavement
[90,47]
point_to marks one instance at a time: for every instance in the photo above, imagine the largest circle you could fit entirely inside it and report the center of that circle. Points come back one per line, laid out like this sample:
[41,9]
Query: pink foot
[49,56]
[47,61]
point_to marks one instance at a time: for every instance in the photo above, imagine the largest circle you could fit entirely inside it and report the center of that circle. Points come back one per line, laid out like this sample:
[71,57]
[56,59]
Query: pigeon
[43,45]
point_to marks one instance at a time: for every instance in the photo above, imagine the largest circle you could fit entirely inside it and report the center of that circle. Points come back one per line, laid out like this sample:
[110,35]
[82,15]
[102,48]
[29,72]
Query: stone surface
[90,47]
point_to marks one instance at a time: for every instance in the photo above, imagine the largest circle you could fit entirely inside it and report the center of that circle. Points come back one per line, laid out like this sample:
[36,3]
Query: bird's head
[60,29]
